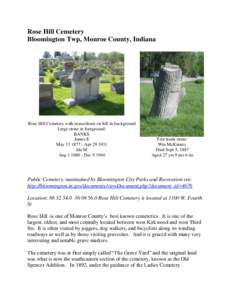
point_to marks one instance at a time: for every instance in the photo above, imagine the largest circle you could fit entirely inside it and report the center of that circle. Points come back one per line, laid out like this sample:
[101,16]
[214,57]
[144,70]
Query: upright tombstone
[168,92]
[57,54]
[85,85]
[65,80]
[118,87]
[58,74]
[68,66]
[46,95]
[41,72]
[43,63]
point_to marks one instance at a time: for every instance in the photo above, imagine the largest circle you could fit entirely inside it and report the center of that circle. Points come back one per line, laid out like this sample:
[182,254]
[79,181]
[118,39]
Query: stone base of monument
[88,99]
[46,104]
[72,101]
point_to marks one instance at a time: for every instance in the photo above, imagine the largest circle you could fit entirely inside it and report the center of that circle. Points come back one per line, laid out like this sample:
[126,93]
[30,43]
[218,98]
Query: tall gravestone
[168,92]
[85,86]
[68,66]
[58,74]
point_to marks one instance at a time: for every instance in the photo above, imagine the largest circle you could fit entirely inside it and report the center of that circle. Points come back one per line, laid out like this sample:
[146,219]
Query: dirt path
[184,78]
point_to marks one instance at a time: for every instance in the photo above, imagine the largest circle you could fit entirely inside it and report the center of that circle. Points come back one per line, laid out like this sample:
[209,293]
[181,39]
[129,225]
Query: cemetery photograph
[172,94]
[81,83]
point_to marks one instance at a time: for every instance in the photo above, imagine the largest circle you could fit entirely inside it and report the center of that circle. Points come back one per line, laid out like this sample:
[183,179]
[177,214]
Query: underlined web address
[110,186]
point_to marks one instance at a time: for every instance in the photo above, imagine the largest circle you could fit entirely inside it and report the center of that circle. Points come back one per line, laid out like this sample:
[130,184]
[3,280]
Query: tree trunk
[167,92]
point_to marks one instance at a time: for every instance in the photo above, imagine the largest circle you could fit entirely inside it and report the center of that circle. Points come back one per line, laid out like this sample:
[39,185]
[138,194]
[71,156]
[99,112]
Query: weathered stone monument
[65,80]
[68,66]
[58,74]
[46,95]
[85,86]
[168,92]
[118,87]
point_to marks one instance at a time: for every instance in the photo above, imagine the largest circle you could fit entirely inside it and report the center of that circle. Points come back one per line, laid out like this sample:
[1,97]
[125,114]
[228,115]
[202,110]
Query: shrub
[199,81]
[50,69]
[105,81]
[51,78]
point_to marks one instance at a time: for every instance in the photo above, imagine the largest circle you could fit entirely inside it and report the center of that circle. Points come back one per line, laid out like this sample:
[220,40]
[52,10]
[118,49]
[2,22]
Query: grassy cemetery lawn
[110,104]
[146,78]
[190,116]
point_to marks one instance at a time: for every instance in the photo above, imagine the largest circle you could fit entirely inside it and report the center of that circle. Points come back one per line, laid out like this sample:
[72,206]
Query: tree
[57,53]
[46,54]
[85,56]
[191,63]
[103,56]
[168,92]
[114,57]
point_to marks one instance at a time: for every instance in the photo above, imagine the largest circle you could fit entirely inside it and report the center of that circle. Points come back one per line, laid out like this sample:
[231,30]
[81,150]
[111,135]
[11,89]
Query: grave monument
[118,88]
[85,86]
[168,92]
[46,95]
[68,66]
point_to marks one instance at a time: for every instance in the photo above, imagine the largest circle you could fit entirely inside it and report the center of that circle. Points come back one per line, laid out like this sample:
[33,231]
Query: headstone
[65,81]
[58,74]
[41,72]
[168,92]
[46,95]
[68,66]
[85,85]
[51,63]
[57,54]
[117,71]
[43,62]
[118,87]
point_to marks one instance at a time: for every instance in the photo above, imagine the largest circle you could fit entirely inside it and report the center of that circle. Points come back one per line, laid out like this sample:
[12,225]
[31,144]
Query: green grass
[145,78]
[190,115]
[111,104]
[111,78]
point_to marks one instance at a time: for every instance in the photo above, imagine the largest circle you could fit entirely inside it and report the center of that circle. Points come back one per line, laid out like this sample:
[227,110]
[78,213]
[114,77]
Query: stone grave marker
[118,87]
[46,95]
[85,86]
[68,66]
[41,72]
[58,74]
[65,80]
[168,92]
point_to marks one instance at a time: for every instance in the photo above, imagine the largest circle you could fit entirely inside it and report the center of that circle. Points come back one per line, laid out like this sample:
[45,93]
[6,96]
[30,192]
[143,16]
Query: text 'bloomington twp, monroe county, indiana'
[77,36]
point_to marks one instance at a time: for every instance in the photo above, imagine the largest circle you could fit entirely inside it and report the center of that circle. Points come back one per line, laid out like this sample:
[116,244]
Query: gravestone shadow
[51,111]
[104,107]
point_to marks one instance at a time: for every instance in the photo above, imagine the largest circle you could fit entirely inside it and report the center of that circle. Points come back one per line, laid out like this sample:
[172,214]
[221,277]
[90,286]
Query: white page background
[178,26]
